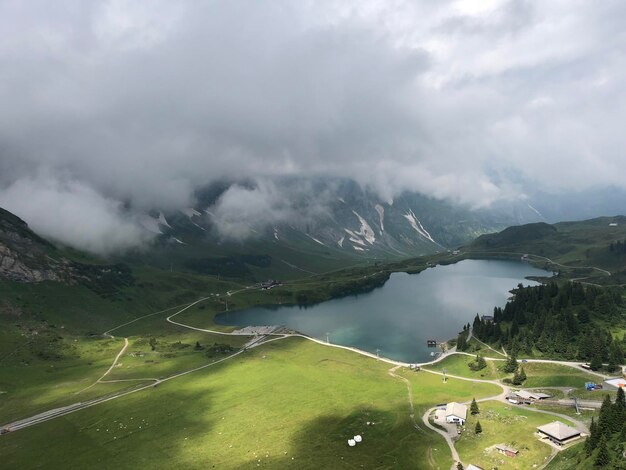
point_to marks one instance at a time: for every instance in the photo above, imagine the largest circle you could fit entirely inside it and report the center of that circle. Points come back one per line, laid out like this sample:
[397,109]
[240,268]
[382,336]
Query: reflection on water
[399,317]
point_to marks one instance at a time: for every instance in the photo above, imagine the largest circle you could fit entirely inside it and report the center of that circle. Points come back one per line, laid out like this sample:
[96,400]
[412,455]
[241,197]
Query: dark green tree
[153,343]
[461,341]
[596,362]
[592,441]
[474,407]
[606,418]
[603,458]
[511,363]
[478,429]
[459,466]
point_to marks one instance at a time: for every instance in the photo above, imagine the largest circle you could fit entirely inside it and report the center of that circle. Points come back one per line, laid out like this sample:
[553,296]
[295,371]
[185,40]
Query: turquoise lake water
[399,317]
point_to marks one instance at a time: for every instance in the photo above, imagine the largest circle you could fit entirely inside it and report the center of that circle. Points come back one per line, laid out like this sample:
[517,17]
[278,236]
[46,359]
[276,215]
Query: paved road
[262,340]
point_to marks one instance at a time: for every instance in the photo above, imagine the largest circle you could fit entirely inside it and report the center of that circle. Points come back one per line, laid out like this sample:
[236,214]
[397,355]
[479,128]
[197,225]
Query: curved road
[257,341]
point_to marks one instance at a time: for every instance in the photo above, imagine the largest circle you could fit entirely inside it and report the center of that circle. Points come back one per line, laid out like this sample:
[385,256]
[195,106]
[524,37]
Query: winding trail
[117,358]
[263,339]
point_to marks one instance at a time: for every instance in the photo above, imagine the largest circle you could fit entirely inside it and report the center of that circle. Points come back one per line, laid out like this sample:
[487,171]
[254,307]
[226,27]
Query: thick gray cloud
[141,103]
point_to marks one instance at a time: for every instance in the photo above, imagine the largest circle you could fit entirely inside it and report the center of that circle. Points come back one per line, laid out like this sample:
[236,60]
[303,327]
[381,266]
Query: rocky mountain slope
[351,223]
[28,258]
[24,256]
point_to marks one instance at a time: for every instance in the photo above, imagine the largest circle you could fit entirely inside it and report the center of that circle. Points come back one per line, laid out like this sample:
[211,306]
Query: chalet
[506,450]
[456,413]
[558,433]
[526,395]
[488,318]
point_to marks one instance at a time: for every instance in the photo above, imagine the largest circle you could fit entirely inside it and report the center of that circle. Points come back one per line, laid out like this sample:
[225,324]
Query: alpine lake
[397,319]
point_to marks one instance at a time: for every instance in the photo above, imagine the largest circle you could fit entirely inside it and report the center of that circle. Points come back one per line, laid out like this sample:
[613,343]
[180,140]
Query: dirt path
[117,358]
[392,373]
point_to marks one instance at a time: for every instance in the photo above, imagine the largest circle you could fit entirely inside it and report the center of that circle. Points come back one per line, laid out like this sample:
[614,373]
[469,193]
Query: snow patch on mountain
[381,216]
[163,221]
[276,233]
[365,231]
[340,242]
[315,239]
[358,248]
[417,225]
[190,212]
[150,224]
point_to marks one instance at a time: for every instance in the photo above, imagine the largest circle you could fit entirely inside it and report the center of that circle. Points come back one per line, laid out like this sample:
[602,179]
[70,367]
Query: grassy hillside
[289,404]
[574,247]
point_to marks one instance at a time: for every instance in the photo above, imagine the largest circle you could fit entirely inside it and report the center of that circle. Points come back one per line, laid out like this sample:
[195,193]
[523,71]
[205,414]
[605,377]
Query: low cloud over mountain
[113,108]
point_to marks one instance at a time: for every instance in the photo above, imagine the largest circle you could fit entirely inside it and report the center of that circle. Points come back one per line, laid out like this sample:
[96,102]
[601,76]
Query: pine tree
[603,458]
[478,429]
[461,342]
[620,399]
[511,363]
[474,407]
[592,441]
[618,411]
[605,421]
[596,362]
[459,466]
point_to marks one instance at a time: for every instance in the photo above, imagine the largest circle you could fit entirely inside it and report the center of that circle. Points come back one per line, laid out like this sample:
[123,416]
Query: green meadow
[287,404]
[505,424]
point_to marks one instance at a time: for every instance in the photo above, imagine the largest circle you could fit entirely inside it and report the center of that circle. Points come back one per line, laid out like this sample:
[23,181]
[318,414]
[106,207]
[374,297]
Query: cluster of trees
[605,444]
[559,321]
[478,364]
[618,247]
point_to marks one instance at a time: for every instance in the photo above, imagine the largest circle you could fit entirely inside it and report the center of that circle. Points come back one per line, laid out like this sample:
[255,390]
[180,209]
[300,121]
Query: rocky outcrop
[13,268]
[26,257]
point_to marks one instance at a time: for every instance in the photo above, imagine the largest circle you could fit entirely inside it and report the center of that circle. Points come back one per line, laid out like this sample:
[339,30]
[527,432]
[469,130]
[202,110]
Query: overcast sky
[110,108]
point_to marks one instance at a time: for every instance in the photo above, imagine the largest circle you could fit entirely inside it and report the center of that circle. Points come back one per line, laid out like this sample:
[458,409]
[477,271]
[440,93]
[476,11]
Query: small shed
[558,432]
[456,413]
[506,450]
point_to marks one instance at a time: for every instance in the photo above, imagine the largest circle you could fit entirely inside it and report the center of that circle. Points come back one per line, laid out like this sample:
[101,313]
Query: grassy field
[584,416]
[566,460]
[554,375]
[539,374]
[503,424]
[457,364]
[288,404]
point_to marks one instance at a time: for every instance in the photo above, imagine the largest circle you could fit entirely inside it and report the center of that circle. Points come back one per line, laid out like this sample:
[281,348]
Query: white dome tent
[358,438]
[351,442]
